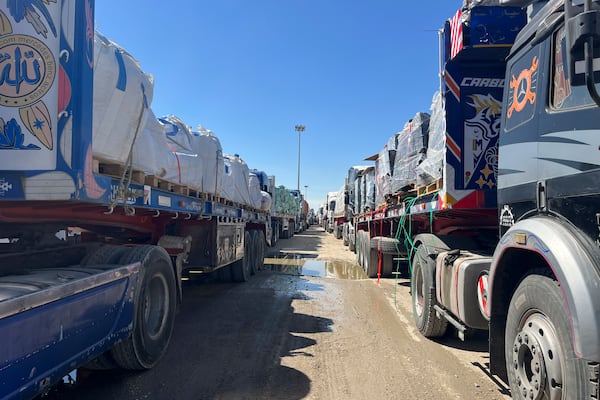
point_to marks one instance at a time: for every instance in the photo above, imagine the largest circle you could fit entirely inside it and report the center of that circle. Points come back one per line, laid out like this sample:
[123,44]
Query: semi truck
[328,220]
[92,253]
[498,226]
[284,212]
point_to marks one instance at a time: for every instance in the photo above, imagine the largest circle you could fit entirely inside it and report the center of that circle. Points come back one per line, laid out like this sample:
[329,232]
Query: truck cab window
[564,96]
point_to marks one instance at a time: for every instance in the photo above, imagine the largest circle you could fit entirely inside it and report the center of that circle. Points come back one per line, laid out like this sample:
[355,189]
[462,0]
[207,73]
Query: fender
[573,259]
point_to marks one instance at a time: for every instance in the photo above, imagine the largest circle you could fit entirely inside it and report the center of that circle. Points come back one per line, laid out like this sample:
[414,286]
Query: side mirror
[583,42]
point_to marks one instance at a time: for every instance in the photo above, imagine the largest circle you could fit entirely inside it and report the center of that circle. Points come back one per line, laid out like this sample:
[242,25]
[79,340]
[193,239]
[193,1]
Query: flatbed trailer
[92,255]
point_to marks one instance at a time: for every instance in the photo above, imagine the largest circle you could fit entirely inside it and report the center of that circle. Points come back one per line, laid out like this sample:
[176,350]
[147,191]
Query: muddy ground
[310,326]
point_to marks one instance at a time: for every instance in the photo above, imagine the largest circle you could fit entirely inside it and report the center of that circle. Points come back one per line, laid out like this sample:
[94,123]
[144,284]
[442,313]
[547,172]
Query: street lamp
[299,129]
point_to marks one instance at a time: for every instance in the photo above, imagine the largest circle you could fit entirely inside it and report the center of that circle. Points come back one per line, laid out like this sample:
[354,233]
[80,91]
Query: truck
[284,212]
[328,220]
[302,211]
[350,195]
[93,253]
[497,225]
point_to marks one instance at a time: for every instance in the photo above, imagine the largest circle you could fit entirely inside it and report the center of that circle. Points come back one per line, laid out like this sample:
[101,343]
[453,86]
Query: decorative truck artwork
[29,82]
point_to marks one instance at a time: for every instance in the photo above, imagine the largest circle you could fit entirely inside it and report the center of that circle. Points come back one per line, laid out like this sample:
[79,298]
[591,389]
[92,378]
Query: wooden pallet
[169,186]
[399,197]
[430,188]
[117,170]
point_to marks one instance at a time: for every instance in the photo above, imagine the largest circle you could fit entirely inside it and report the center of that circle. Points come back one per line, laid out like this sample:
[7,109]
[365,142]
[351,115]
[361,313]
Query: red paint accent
[453,86]
[473,200]
[454,148]
[64,89]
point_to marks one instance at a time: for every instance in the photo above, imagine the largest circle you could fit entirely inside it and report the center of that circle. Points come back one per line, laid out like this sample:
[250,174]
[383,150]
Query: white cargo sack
[235,180]
[122,98]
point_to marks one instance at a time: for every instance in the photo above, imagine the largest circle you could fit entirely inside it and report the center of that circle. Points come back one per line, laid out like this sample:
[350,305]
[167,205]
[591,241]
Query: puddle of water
[320,268]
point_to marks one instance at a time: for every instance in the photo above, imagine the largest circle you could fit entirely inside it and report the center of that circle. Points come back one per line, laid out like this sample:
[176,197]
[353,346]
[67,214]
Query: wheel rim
[418,298]
[536,358]
[156,306]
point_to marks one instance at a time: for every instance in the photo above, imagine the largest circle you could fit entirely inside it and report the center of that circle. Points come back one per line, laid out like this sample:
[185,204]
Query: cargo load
[235,185]
[384,169]
[411,151]
[284,202]
[122,97]
[431,168]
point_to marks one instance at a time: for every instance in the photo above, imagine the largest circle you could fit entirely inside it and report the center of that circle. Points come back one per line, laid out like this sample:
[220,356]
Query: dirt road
[328,333]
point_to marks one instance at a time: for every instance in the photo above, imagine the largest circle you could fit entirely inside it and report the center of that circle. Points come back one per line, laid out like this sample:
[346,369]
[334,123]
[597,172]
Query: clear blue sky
[353,72]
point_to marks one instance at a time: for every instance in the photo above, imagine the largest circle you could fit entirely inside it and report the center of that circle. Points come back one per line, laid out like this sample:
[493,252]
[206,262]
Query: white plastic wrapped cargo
[188,170]
[475,3]
[266,184]
[122,98]
[340,206]
[235,180]
[266,201]
[254,190]
[210,153]
[432,166]
[151,152]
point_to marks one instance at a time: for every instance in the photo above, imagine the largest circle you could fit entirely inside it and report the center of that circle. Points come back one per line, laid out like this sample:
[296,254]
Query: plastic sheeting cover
[384,168]
[432,166]
[284,202]
[235,185]
[254,191]
[340,207]
[369,191]
[411,151]
[122,97]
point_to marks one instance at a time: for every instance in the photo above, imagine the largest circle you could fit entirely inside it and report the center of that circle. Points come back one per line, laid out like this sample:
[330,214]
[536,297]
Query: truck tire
[386,244]
[242,269]
[154,310]
[259,252]
[423,296]
[255,250]
[359,248]
[338,232]
[372,267]
[538,333]
[365,252]
[345,234]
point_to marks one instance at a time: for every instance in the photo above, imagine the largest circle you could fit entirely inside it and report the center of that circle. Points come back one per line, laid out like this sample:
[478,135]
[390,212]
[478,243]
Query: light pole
[299,129]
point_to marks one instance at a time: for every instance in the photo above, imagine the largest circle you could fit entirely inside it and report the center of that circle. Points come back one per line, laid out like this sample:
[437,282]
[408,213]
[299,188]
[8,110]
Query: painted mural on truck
[473,111]
[46,73]
[28,83]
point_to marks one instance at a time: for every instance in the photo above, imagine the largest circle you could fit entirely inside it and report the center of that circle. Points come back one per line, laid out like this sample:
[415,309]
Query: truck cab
[544,279]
